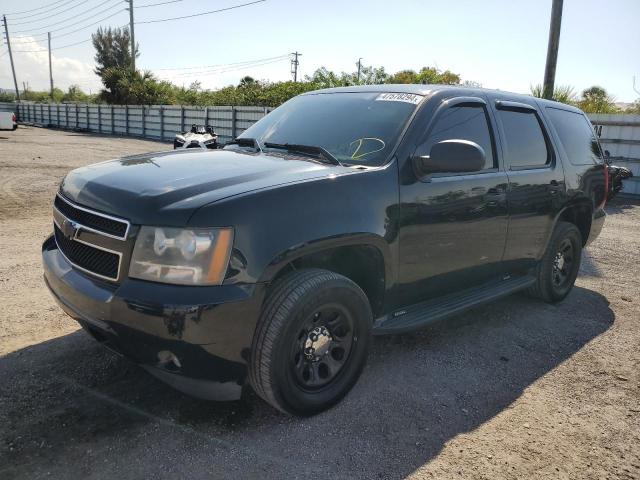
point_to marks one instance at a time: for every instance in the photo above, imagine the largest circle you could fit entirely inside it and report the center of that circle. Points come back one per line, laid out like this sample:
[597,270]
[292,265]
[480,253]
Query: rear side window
[465,122]
[576,136]
[526,146]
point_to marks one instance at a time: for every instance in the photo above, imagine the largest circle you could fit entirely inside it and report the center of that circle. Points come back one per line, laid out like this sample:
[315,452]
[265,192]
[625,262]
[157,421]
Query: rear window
[526,146]
[576,136]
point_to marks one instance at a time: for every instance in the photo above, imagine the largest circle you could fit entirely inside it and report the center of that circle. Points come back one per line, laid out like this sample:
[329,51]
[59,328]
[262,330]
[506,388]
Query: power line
[202,13]
[91,11]
[229,67]
[45,12]
[157,4]
[56,48]
[225,69]
[51,15]
[202,67]
[34,9]
[73,31]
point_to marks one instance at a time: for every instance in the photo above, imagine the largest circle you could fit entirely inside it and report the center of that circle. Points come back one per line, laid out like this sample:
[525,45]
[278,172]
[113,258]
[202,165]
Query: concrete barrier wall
[158,122]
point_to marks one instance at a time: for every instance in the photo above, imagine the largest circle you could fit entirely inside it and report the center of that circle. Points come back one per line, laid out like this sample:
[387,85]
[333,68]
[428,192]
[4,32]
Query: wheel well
[362,264]
[580,216]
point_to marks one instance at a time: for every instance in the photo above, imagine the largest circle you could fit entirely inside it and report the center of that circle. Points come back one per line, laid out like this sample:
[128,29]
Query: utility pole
[50,68]
[133,38]
[13,68]
[294,65]
[359,67]
[552,49]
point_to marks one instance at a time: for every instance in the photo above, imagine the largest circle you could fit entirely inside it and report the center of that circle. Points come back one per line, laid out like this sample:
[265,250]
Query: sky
[498,43]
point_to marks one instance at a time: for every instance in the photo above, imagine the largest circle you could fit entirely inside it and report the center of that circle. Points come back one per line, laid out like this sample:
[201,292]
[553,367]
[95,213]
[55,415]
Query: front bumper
[196,339]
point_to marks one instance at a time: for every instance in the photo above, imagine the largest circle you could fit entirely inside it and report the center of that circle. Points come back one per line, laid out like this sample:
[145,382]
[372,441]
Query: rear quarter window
[576,136]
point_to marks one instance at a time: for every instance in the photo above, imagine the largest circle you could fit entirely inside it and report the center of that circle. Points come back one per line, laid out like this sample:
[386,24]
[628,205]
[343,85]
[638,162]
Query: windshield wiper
[317,152]
[246,142]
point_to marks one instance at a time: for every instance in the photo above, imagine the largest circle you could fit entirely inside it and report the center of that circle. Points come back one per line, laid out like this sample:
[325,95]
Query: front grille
[86,257]
[105,224]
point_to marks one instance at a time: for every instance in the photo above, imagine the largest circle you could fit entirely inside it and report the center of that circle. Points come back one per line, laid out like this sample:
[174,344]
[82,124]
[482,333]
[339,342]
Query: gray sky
[499,43]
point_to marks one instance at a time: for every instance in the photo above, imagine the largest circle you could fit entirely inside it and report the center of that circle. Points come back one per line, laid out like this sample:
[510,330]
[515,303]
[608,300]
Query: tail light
[13,118]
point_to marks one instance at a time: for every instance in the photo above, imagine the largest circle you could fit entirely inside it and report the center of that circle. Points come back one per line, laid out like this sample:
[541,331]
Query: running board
[424,313]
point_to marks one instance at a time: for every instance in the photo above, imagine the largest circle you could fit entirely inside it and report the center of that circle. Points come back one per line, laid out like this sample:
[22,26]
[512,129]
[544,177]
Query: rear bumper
[597,223]
[196,339]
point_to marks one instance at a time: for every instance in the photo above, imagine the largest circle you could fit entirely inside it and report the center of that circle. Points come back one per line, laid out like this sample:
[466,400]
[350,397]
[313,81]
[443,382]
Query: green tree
[113,66]
[75,94]
[596,100]
[431,75]
[113,49]
[426,75]
[561,93]
[634,108]
[246,81]
[404,77]
[135,88]
[324,78]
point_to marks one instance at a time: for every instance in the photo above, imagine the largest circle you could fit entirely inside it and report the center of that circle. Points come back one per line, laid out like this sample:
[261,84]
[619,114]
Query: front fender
[276,225]
[353,239]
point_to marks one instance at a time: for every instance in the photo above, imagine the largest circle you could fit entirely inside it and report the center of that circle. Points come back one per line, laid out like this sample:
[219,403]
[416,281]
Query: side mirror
[451,156]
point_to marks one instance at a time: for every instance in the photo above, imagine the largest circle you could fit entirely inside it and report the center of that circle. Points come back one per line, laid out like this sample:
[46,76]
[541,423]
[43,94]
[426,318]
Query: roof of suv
[428,89]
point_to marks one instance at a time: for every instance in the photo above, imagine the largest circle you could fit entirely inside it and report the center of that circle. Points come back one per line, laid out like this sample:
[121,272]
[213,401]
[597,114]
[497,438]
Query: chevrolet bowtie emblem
[69,229]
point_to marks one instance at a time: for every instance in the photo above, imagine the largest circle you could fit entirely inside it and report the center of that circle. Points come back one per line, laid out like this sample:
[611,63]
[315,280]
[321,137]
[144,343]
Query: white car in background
[8,121]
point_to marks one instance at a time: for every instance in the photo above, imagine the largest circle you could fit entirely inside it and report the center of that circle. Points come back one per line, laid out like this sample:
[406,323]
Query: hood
[166,188]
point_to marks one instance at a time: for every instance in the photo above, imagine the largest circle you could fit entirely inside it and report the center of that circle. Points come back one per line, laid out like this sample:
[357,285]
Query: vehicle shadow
[65,397]
[621,203]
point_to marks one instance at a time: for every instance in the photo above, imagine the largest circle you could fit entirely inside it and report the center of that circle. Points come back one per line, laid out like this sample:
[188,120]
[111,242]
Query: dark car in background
[343,213]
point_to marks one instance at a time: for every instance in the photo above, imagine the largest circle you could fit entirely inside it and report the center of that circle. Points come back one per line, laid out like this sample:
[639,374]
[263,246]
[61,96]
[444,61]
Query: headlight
[182,256]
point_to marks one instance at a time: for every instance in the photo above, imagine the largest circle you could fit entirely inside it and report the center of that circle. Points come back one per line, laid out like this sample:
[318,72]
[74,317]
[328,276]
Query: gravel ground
[516,389]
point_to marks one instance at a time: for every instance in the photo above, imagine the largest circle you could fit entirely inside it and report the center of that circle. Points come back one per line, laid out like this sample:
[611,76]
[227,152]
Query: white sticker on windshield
[399,97]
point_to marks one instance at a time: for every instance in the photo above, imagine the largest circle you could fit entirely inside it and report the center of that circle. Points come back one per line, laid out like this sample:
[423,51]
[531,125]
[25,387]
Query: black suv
[343,213]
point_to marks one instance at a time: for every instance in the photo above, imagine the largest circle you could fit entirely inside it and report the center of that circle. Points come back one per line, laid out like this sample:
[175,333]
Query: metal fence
[158,122]
[620,134]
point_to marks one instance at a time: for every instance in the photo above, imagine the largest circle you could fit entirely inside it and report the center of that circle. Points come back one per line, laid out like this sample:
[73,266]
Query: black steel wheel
[558,269]
[562,264]
[323,346]
[311,341]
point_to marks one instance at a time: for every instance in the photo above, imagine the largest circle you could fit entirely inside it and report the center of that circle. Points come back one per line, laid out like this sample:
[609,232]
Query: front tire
[558,269]
[311,342]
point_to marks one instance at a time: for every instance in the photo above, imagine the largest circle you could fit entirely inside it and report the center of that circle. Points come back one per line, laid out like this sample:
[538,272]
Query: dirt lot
[517,389]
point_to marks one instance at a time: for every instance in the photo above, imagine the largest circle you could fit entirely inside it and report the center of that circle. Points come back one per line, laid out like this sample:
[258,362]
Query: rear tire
[558,269]
[311,342]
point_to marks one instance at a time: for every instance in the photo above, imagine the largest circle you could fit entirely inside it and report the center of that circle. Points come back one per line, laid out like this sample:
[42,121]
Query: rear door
[536,179]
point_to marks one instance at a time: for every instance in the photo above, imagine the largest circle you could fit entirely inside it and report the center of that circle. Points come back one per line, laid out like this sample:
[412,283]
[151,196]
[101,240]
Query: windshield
[356,128]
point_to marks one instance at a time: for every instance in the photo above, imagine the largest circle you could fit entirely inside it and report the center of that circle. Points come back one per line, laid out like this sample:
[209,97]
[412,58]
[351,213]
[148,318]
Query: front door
[452,227]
